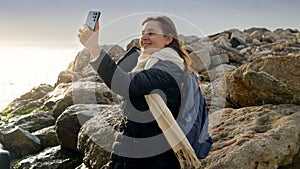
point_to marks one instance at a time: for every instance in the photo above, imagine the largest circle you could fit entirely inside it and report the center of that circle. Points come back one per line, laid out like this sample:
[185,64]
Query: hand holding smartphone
[92,18]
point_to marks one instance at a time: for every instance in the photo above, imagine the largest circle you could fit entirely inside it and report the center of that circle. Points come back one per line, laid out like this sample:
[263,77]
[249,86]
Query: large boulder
[271,80]
[96,137]
[70,121]
[263,137]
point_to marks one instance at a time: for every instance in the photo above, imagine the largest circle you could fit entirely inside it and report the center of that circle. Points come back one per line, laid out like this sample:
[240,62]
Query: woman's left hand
[89,39]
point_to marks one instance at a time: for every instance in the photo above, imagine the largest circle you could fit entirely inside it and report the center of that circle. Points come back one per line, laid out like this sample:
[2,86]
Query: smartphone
[92,18]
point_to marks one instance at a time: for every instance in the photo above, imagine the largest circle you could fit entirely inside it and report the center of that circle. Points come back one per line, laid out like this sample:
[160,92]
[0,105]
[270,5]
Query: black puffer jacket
[142,145]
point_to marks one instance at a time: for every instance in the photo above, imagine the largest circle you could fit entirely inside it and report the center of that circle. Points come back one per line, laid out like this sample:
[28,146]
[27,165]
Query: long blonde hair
[169,28]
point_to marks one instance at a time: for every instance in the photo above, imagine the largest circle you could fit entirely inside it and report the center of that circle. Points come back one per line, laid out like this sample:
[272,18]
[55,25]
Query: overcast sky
[57,21]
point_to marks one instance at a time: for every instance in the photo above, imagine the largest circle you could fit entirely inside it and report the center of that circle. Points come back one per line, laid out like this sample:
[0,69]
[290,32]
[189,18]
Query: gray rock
[200,60]
[203,44]
[222,41]
[285,34]
[19,142]
[261,30]
[235,42]
[66,95]
[47,137]
[256,42]
[234,54]
[51,158]
[33,121]
[270,37]
[97,136]
[216,72]
[70,121]
[90,93]
[219,59]
[235,33]
[81,61]
[56,95]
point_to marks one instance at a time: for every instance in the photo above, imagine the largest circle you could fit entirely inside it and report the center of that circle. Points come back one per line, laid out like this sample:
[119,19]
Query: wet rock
[51,158]
[19,142]
[33,121]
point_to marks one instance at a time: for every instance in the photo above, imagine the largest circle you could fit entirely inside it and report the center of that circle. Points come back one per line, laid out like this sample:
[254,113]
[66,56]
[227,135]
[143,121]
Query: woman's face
[152,36]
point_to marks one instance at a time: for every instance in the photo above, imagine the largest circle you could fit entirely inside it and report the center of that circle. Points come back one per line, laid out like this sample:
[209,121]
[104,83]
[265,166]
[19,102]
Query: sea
[25,66]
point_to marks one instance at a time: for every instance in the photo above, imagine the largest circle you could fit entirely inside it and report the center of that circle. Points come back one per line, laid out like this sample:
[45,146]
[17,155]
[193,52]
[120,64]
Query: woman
[141,144]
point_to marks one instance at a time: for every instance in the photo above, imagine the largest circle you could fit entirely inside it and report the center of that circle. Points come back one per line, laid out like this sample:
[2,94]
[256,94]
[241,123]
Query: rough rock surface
[271,80]
[70,121]
[262,137]
[96,137]
[19,142]
[51,158]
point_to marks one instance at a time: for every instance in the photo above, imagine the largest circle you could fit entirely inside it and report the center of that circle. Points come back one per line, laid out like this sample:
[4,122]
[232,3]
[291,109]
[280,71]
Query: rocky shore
[250,78]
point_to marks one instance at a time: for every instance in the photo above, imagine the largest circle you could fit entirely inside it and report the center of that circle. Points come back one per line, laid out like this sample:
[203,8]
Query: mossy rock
[27,108]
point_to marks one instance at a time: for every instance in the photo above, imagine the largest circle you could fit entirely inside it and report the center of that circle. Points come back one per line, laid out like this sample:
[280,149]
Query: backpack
[193,115]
